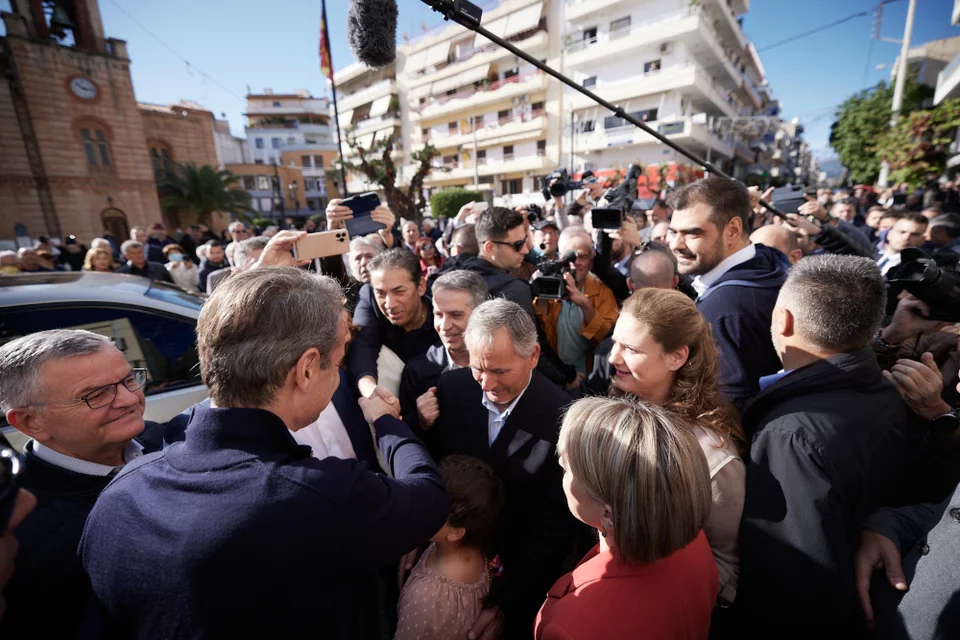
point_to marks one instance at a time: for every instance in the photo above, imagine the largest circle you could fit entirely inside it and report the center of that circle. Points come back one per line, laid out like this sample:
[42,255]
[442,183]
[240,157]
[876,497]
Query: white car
[152,323]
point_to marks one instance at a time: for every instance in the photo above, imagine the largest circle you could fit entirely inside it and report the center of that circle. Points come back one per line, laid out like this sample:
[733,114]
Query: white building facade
[276,121]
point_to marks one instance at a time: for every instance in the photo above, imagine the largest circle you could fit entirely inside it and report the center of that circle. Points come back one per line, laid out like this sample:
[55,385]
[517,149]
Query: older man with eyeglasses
[81,404]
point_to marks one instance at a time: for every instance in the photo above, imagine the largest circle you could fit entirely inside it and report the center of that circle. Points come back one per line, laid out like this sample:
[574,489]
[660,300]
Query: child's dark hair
[476,498]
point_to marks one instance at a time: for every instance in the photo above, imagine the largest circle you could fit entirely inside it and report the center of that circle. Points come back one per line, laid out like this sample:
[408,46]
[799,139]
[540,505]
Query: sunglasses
[10,467]
[426,246]
[516,245]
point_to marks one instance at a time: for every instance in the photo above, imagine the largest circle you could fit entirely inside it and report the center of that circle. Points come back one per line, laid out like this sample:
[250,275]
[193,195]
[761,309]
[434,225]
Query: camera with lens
[558,183]
[933,280]
[534,213]
[550,285]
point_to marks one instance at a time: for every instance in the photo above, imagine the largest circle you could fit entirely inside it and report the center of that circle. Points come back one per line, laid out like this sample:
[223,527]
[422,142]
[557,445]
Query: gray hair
[7,253]
[497,313]
[130,244]
[235,225]
[255,327]
[24,251]
[949,222]
[466,281]
[97,243]
[837,302]
[22,361]
[356,245]
[570,234]
[243,253]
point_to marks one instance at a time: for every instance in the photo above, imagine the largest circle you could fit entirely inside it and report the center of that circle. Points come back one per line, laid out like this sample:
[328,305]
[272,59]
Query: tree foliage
[203,190]
[917,149]
[863,119]
[377,164]
[447,203]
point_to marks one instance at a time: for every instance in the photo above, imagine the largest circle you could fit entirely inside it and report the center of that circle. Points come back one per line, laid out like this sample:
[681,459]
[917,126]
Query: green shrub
[318,219]
[262,223]
[448,202]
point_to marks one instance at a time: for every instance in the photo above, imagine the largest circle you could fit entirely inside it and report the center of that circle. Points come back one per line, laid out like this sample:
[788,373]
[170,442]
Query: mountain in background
[832,166]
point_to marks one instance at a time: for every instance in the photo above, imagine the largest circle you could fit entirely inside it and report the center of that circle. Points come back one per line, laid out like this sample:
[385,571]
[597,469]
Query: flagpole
[325,40]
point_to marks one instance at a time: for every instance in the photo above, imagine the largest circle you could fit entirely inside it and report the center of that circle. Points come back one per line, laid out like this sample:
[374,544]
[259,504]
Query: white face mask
[176,257]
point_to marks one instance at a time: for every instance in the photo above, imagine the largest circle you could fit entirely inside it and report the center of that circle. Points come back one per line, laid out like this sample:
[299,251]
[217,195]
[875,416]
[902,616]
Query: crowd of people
[708,423]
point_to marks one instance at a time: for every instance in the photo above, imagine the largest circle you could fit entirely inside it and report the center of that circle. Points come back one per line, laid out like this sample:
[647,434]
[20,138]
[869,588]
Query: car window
[174,295]
[163,345]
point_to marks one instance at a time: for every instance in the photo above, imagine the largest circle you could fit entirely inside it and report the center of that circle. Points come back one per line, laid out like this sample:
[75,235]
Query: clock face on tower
[83,88]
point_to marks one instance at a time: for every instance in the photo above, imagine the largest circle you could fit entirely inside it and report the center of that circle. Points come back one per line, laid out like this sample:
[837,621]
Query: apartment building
[369,105]
[675,64]
[494,118]
[276,121]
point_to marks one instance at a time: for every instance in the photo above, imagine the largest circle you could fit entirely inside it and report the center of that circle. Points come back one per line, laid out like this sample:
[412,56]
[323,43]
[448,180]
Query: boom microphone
[372,31]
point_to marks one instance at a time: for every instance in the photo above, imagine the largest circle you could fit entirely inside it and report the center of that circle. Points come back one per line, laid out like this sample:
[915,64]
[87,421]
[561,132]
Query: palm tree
[204,190]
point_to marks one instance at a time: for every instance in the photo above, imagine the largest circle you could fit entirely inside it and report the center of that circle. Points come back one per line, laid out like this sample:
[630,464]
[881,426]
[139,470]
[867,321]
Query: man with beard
[737,282]
[455,296]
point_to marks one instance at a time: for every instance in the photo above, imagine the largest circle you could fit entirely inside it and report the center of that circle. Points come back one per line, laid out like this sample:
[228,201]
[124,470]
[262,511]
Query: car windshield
[174,295]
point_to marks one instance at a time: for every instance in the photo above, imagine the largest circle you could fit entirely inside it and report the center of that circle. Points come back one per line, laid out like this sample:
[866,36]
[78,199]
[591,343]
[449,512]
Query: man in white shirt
[737,282]
[81,403]
[907,231]
[504,412]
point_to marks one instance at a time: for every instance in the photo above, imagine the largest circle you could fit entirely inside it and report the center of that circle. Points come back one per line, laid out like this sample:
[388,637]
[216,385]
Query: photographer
[575,325]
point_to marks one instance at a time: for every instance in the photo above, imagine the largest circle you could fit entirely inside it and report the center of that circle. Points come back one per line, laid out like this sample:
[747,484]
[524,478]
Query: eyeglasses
[516,245]
[426,246]
[10,466]
[103,396]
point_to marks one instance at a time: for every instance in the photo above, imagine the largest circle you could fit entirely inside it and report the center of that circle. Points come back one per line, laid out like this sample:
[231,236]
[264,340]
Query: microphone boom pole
[450,10]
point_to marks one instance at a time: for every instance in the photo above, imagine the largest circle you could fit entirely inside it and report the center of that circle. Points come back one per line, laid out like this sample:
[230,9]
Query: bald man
[653,268]
[780,238]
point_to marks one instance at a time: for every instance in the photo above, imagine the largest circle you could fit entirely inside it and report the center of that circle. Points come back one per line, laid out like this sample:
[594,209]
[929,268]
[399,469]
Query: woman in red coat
[636,473]
[430,258]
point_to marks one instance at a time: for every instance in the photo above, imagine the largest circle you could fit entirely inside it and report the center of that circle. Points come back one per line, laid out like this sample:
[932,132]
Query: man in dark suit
[84,415]
[238,530]
[138,265]
[502,411]
[455,296]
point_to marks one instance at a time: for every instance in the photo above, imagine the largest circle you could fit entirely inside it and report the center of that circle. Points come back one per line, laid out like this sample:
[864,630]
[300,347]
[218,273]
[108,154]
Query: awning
[365,141]
[380,106]
[440,87]
[524,20]
[502,140]
[416,62]
[475,75]
[346,117]
[416,93]
[497,27]
[436,54]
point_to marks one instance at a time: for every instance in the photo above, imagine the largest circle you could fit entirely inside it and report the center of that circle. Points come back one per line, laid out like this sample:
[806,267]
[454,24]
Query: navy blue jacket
[375,331]
[740,315]
[418,376]
[238,532]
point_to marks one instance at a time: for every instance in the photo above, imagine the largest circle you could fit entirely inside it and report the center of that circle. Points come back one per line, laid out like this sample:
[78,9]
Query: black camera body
[624,194]
[558,183]
[933,280]
[550,285]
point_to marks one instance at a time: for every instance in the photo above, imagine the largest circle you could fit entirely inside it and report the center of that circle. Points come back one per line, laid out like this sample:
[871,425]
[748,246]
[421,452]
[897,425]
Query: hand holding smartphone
[322,244]
[362,206]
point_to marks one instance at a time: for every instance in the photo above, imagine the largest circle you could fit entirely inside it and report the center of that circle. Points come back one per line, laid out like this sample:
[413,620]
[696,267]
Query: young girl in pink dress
[443,596]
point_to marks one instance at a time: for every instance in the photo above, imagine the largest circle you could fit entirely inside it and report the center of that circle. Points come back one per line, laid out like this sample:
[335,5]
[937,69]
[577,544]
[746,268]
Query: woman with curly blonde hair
[664,353]
[99,259]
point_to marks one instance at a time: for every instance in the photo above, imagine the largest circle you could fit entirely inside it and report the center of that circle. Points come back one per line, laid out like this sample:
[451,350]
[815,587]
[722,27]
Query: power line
[813,31]
[174,52]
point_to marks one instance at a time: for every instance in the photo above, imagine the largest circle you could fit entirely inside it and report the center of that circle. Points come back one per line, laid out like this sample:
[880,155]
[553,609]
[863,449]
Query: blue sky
[275,45]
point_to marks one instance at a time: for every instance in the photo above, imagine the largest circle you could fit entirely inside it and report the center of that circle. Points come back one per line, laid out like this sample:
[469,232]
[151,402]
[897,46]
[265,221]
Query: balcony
[686,77]
[371,93]
[319,107]
[387,120]
[579,9]
[684,130]
[490,167]
[485,55]
[472,98]
[729,23]
[948,82]
[515,127]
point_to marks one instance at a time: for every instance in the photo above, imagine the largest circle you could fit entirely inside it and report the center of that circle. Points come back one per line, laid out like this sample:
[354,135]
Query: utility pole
[476,152]
[901,81]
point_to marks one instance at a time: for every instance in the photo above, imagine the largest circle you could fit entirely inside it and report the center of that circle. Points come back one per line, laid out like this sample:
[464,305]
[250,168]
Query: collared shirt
[888,262]
[132,451]
[703,282]
[773,378]
[327,436]
[451,365]
[496,418]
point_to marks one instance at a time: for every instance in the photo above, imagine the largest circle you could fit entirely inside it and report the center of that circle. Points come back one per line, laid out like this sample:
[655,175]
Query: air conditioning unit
[666,48]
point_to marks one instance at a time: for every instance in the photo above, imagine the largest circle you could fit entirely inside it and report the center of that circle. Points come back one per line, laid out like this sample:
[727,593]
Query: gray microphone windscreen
[372,31]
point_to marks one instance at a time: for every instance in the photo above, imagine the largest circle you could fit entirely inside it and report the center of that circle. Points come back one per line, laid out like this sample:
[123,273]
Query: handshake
[380,402]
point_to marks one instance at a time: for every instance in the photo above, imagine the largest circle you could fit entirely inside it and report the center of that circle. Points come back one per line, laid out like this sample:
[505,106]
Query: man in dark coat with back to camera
[736,281]
[77,398]
[237,531]
[504,412]
[829,446]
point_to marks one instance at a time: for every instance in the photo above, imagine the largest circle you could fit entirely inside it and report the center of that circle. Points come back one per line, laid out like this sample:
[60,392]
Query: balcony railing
[673,16]
[466,93]
[467,128]
[507,157]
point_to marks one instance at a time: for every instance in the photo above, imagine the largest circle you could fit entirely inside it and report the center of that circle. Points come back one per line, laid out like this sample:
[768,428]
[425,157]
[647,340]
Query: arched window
[95,137]
[88,147]
[161,160]
[104,148]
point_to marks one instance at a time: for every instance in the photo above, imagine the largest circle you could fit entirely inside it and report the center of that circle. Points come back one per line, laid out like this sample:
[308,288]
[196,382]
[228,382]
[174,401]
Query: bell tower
[78,159]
